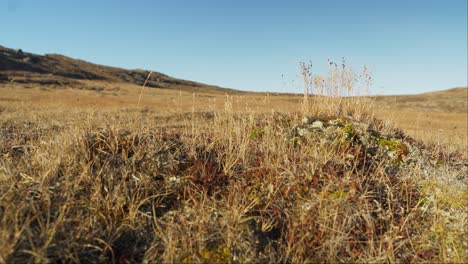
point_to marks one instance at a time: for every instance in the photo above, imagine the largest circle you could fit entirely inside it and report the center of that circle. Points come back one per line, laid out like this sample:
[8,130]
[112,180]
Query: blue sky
[412,46]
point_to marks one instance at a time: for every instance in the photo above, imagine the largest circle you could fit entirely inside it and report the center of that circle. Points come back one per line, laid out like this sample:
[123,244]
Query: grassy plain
[87,175]
[439,117]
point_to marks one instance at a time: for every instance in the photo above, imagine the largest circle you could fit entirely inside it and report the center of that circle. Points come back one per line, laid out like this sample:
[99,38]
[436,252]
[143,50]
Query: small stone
[317,124]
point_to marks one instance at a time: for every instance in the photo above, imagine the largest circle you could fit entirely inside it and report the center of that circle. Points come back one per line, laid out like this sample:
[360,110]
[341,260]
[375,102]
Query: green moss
[256,133]
[394,146]
[337,122]
[391,144]
[219,255]
[349,131]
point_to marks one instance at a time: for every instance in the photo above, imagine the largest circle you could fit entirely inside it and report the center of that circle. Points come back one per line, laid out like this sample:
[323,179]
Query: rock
[317,124]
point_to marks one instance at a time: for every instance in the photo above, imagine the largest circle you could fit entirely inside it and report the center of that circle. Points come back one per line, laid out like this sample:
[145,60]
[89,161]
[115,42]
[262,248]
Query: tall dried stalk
[143,87]
[340,91]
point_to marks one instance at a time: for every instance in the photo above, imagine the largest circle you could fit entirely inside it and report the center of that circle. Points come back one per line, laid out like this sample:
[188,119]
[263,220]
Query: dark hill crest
[24,67]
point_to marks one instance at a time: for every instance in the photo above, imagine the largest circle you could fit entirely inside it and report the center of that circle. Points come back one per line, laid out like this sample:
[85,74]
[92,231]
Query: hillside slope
[53,69]
[453,100]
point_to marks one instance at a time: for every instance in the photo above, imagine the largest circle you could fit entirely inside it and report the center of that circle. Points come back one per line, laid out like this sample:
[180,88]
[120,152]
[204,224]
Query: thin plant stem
[143,87]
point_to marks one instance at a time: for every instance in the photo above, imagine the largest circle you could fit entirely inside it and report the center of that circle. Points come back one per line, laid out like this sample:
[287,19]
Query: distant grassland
[438,117]
[448,101]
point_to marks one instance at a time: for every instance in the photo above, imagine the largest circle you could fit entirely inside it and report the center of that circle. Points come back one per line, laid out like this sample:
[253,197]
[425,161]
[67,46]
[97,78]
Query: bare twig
[143,87]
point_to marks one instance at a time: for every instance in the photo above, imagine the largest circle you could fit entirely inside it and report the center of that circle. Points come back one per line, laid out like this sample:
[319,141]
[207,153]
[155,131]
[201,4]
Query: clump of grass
[235,187]
[341,91]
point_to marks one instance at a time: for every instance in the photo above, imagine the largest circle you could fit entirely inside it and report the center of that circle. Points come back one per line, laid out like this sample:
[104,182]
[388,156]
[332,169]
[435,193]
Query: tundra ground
[89,175]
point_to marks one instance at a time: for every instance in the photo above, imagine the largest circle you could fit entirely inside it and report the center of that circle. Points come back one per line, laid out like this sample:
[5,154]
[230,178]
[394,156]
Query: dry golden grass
[449,101]
[432,122]
[436,117]
[449,129]
[87,176]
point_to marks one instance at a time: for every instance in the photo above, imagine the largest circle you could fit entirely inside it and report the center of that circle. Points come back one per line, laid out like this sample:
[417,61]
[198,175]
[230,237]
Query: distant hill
[453,100]
[53,69]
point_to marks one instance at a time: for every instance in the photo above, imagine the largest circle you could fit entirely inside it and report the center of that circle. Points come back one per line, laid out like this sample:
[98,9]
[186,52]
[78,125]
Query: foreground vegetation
[219,186]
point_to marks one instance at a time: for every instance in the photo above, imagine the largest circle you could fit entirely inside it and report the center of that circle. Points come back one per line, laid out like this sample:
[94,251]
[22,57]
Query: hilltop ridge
[54,69]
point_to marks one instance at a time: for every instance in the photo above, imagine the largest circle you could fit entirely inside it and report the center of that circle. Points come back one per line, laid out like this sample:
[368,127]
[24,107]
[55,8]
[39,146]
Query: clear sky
[412,45]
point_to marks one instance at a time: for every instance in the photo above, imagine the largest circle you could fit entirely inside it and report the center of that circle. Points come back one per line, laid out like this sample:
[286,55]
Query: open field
[90,175]
[439,118]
